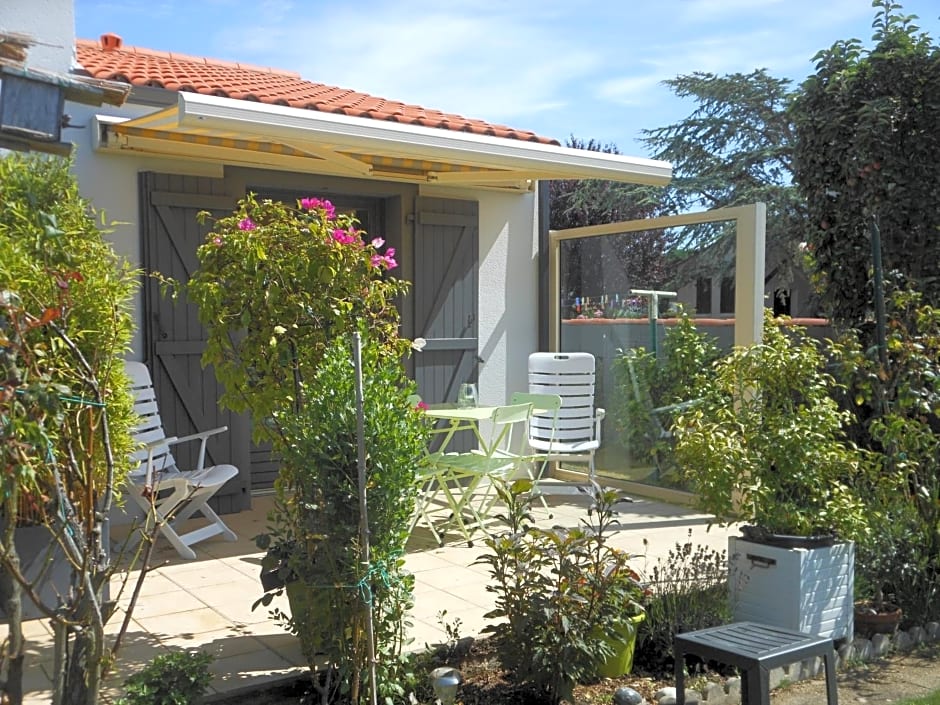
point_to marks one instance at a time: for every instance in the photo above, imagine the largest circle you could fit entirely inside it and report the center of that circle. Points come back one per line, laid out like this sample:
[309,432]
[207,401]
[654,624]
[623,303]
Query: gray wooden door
[445,295]
[174,337]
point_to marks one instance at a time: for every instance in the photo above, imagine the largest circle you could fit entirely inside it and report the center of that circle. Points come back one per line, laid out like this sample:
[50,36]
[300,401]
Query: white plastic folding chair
[578,430]
[165,493]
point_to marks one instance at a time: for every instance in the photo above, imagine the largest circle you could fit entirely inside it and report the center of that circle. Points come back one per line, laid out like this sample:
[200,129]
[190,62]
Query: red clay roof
[110,59]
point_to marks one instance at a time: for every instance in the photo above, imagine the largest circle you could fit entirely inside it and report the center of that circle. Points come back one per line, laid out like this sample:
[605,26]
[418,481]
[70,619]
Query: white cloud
[493,66]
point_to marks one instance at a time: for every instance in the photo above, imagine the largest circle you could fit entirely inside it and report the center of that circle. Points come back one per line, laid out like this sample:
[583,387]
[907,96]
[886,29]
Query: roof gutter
[196,111]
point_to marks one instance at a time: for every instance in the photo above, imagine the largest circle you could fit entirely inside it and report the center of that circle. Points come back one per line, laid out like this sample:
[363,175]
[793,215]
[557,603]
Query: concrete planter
[810,590]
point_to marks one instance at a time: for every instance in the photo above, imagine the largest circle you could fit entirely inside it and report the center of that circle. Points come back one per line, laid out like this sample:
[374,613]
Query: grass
[932,699]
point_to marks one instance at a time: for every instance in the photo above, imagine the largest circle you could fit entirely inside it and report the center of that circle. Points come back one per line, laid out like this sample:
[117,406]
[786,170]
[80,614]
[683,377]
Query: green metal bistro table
[461,418]
[755,649]
[450,483]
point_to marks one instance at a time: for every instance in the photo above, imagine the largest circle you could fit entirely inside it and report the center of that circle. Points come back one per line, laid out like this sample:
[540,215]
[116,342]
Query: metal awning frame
[270,136]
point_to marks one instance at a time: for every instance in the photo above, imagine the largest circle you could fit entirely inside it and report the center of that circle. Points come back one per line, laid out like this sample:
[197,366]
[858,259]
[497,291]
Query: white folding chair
[167,494]
[577,433]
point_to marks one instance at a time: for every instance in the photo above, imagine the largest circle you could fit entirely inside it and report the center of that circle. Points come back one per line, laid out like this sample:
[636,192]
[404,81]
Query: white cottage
[460,199]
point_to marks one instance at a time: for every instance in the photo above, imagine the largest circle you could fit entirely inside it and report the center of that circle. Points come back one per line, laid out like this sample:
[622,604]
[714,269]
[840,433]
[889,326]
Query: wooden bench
[755,649]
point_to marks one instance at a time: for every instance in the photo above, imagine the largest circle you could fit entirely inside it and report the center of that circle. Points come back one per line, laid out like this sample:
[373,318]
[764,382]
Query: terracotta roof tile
[110,59]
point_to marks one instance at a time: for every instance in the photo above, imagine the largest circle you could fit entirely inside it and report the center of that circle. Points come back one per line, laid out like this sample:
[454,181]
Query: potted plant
[880,564]
[766,446]
[567,604]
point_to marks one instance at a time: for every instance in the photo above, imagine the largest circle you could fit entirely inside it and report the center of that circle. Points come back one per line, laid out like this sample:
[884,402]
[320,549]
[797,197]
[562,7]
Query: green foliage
[65,407]
[644,383]
[688,591]
[64,316]
[280,290]
[897,405]
[767,442]
[634,371]
[177,678]
[735,148]
[314,532]
[890,564]
[562,595]
[866,146]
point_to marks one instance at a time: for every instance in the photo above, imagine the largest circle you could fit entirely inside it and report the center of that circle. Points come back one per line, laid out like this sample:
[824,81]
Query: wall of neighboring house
[714,297]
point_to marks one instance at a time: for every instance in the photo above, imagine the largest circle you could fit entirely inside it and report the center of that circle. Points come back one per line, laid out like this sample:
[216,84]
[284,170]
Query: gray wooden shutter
[445,295]
[174,337]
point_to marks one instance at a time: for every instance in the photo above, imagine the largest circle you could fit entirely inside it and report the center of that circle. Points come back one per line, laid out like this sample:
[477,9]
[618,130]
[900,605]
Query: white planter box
[810,590]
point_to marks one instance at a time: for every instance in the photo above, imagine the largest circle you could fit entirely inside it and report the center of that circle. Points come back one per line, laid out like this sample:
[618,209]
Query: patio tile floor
[206,603]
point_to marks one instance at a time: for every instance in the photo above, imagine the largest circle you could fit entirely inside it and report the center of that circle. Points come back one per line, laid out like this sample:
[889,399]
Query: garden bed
[484,683]
[875,671]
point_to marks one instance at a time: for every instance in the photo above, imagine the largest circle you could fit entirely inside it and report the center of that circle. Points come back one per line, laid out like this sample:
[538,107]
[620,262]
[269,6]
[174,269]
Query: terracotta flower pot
[870,620]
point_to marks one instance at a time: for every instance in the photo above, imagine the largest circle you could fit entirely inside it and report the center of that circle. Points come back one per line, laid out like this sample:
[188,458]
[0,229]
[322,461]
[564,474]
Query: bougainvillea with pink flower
[279,289]
[285,279]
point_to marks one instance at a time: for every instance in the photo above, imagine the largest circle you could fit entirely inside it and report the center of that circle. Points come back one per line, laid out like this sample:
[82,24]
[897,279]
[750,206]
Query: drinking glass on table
[467,395]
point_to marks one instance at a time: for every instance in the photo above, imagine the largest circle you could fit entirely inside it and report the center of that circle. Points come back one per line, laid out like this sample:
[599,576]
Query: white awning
[229,131]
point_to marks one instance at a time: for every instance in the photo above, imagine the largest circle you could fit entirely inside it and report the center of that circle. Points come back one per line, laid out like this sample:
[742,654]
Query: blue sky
[591,68]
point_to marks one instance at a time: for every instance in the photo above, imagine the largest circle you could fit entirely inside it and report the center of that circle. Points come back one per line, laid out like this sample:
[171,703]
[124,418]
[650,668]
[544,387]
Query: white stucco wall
[51,22]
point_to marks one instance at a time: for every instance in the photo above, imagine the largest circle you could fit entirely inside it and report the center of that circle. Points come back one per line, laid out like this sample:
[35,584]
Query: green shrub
[767,443]
[645,382]
[895,400]
[688,590]
[313,533]
[177,678]
[562,595]
[66,302]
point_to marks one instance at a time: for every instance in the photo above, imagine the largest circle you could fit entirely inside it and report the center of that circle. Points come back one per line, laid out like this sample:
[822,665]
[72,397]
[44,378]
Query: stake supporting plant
[364,507]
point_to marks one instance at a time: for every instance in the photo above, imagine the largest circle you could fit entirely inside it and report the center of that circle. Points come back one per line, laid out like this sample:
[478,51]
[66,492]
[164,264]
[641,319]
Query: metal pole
[653,312]
[878,281]
[364,508]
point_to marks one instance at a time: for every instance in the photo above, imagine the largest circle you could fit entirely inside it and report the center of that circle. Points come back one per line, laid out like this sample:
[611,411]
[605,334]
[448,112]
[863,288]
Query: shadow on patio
[206,603]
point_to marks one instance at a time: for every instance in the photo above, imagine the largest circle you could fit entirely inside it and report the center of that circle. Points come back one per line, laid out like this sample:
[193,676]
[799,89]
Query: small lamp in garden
[444,681]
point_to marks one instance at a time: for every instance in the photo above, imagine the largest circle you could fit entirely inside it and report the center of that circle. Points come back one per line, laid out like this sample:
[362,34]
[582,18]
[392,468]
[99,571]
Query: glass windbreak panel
[652,307]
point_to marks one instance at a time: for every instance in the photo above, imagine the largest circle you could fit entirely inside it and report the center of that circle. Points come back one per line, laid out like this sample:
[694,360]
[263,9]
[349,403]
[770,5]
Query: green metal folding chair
[542,428]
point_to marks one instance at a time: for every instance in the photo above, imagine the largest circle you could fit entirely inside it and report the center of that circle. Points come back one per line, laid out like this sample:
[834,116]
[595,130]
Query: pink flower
[317,203]
[343,237]
[377,242]
[421,406]
[386,261]
[217,241]
[247,224]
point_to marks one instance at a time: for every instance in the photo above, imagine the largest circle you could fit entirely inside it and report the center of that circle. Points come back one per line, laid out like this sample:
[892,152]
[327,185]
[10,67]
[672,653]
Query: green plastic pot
[621,661]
